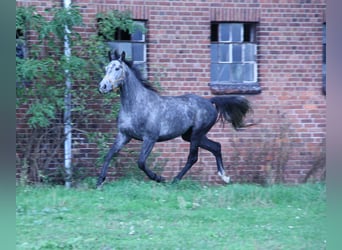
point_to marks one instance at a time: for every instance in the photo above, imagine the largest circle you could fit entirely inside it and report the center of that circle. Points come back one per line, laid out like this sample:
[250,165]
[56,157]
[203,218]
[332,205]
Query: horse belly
[168,132]
[174,124]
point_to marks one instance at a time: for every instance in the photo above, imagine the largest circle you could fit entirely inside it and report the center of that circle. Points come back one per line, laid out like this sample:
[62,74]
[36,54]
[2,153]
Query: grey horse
[149,117]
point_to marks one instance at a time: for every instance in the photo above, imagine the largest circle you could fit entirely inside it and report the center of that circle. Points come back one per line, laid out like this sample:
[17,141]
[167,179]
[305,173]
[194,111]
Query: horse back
[188,111]
[168,117]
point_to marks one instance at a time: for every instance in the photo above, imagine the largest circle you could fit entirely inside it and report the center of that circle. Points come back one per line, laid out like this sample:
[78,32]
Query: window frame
[21,52]
[121,43]
[244,86]
[20,45]
[324,57]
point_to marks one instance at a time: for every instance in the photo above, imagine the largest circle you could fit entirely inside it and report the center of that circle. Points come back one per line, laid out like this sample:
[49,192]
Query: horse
[147,116]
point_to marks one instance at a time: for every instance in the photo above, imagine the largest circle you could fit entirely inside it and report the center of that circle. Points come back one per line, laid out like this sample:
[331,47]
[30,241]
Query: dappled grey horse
[149,117]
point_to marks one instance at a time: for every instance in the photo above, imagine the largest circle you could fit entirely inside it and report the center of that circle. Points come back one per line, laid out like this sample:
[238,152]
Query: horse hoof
[100,183]
[225,178]
[99,186]
[161,179]
[175,181]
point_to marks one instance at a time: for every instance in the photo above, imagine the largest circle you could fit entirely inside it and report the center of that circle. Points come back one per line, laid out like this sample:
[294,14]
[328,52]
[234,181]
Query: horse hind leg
[146,149]
[215,149]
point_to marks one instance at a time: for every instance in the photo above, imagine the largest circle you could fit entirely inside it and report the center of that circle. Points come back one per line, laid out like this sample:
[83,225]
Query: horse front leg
[146,149]
[120,141]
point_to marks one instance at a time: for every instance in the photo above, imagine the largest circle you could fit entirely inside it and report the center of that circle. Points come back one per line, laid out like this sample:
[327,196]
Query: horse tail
[233,109]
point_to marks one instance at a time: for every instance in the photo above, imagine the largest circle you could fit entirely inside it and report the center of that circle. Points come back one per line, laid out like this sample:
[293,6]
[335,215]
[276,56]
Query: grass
[131,214]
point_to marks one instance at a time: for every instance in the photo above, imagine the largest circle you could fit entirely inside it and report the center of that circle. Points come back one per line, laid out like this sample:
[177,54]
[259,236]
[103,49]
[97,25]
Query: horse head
[115,73]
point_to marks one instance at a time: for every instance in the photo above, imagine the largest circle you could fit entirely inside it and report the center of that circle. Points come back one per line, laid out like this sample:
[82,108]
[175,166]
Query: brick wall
[289,140]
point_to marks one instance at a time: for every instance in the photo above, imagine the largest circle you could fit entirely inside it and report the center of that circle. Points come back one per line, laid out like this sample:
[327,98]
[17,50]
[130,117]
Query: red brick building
[270,51]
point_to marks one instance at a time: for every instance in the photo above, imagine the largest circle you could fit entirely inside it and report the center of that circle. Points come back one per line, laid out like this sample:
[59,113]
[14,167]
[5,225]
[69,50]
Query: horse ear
[123,56]
[110,56]
[113,55]
[116,55]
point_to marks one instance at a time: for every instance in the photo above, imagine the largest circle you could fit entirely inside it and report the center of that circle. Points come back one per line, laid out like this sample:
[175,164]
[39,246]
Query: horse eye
[117,68]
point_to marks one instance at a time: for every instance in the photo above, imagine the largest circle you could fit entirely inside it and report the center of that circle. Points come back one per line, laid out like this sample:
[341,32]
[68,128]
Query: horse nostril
[104,86]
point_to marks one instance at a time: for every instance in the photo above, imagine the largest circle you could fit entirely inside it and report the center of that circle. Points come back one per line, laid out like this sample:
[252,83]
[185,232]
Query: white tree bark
[67,111]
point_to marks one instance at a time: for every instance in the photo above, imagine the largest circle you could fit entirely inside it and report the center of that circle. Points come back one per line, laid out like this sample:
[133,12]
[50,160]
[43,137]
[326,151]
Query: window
[20,44]
[233,58]
[20,53]
[133,44]
[324,64]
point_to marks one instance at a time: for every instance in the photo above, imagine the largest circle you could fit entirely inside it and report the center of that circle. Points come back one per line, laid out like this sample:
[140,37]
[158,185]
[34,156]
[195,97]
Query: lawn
[131,214]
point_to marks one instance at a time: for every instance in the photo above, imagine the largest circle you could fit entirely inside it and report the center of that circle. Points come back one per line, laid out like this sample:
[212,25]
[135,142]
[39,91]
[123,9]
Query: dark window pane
[249,32]
[122,35]
[214,32]
[324,43]
[19,34]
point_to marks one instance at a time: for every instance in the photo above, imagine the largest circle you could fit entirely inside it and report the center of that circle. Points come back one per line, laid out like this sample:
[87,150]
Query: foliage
[110,22]
[45,64]
[130,214]
[41,74]
[27,18]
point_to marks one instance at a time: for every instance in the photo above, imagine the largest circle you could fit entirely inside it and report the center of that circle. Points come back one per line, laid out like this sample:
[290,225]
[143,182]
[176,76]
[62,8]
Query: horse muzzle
[105,87]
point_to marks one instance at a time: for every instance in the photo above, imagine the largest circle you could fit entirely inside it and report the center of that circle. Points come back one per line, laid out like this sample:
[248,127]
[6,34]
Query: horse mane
[138,74]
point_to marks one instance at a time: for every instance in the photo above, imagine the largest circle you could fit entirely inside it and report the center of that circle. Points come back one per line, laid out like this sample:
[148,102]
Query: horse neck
[132,92]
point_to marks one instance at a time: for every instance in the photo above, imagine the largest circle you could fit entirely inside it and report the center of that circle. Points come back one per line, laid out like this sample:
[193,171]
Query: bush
[42,71]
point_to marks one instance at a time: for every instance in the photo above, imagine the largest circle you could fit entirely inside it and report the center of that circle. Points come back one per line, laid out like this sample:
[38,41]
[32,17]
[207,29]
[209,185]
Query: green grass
[130,214]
